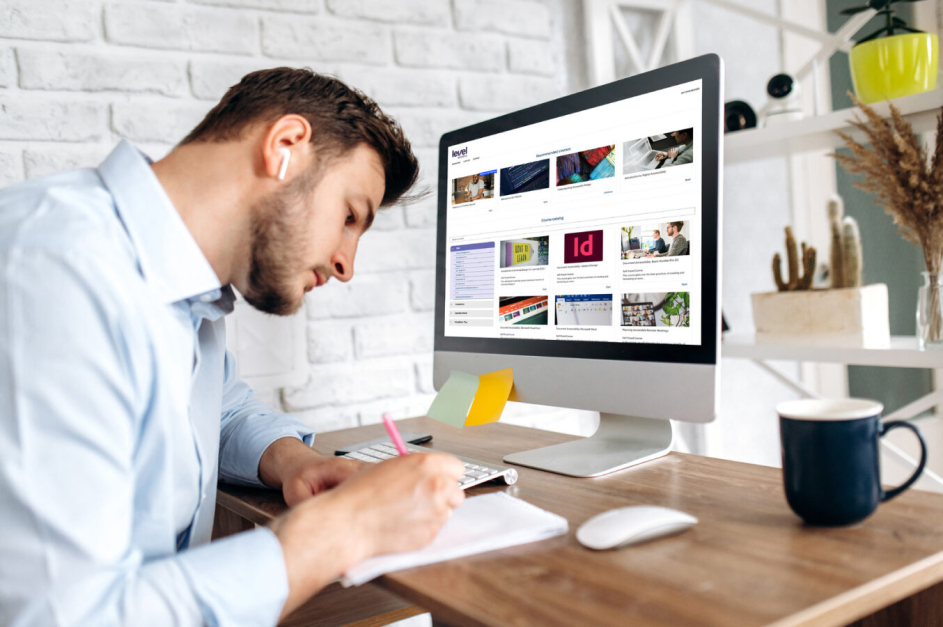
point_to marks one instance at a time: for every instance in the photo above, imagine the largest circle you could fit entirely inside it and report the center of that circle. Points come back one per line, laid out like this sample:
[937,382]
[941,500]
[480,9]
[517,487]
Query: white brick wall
[180,27]
[100,71]
[78,75]
[50,20]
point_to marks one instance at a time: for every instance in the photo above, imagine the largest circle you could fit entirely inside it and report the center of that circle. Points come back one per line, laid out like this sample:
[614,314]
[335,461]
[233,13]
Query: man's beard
[276,250]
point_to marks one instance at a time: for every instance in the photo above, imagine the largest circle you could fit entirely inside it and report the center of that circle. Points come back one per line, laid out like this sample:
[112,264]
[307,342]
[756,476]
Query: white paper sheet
[482,523]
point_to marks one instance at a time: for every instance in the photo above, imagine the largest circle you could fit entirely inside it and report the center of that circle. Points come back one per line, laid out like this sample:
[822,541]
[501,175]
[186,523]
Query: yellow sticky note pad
[466,400]
[493,391]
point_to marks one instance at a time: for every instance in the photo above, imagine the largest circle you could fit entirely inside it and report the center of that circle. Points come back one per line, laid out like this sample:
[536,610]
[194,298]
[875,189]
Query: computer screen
[557,185]
[580,192]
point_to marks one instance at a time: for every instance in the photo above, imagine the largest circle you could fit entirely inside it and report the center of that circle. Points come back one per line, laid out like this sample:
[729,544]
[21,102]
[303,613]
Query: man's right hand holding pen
[396,505]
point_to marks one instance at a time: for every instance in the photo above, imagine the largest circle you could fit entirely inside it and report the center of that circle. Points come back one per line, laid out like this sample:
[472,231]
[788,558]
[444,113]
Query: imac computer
[547,274]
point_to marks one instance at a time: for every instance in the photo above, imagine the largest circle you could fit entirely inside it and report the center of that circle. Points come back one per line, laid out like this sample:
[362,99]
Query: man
[121,406]
[679,244]
[659,245]
[475,189]
[682,153]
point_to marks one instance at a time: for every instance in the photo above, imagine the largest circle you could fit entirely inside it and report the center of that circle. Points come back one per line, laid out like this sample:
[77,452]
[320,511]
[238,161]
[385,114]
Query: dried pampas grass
[905,181]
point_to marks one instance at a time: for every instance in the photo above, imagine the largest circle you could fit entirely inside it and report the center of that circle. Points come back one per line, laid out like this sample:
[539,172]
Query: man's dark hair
[656,231]
[687,131]
[341,119]
[677,225]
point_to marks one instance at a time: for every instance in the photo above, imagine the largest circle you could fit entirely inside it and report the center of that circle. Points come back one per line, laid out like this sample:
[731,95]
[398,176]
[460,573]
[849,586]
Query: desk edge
[241,508]
[871,597]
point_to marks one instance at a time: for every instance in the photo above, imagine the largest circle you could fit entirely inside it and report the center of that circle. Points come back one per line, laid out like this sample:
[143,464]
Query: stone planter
[852,316]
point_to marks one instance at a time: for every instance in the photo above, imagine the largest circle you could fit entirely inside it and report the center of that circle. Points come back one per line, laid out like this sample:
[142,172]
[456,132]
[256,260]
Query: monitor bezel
[708,69]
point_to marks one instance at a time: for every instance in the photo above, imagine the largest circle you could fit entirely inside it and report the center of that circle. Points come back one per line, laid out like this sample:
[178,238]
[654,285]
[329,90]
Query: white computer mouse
[632,525]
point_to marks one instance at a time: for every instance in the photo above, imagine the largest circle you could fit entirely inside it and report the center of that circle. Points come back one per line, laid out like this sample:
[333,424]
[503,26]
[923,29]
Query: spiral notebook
[480,524]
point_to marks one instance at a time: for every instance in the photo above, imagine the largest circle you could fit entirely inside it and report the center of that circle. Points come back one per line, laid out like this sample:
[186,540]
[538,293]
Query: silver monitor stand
[619,442]
[648,389]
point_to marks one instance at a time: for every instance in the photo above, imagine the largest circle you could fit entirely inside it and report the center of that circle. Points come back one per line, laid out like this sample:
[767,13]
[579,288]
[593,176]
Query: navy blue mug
[831,455]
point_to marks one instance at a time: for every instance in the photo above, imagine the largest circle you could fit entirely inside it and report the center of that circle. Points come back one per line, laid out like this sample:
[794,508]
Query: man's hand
[661,156]
[301,472]
[396,505]
[402,502]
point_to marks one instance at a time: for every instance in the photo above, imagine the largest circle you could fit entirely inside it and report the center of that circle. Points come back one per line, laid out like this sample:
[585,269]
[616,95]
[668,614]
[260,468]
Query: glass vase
[930,311]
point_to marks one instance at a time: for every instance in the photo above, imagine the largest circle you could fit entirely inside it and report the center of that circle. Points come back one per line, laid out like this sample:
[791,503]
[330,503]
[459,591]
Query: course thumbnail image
[527,177]
[527,251]
[584,310]
[582,247]
[658,151]
[586,165]
[471,188]
[522,310]
[657,239]
[656,309]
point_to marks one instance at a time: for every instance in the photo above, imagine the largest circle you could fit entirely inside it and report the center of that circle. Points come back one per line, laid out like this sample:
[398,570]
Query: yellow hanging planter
[891,67]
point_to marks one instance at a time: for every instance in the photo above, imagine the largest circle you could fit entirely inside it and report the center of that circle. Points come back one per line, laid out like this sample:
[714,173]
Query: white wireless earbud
[283,168]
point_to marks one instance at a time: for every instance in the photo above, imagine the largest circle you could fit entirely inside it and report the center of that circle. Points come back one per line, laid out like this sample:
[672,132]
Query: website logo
[582,247]
[460,153]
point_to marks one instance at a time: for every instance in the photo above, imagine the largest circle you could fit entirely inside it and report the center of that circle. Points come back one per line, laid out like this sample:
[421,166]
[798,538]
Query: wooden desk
[750,560]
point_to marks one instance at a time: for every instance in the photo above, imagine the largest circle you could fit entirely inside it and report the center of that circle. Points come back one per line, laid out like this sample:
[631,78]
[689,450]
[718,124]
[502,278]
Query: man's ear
[291,132]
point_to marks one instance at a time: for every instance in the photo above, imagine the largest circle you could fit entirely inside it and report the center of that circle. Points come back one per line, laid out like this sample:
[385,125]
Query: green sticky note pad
[455,399]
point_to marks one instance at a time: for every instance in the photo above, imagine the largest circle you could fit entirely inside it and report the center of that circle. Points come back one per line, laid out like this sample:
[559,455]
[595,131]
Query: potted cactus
[845,265]
[795,281]
[844,313]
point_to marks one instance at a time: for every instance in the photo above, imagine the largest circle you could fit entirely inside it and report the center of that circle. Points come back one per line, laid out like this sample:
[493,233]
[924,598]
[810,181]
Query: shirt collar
[212,305]
[170,259]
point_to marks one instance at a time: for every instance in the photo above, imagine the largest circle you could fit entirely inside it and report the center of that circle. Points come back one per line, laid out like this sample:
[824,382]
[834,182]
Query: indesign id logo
[582,247]
[460,153]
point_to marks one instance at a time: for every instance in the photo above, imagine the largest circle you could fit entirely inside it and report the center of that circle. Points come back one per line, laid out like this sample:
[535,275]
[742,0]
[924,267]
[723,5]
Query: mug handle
[885,429]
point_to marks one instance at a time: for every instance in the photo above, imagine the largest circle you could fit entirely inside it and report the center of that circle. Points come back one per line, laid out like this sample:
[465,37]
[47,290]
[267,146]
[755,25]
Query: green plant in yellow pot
[896,60]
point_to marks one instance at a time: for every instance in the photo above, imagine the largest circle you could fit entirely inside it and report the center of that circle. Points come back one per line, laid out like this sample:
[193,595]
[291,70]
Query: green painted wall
[887,257]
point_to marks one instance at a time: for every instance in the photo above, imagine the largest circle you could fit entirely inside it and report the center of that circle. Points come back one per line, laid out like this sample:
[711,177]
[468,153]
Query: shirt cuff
[239,461]
[240,579]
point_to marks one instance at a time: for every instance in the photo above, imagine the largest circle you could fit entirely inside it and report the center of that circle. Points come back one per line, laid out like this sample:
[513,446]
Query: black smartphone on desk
[411,438]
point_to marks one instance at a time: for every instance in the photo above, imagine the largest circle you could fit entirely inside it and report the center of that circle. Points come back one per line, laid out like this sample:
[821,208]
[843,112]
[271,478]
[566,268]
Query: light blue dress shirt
[119,411]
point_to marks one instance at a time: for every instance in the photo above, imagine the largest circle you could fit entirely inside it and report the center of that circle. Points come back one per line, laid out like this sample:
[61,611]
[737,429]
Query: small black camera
[738,115]
[780,86]
[785,100]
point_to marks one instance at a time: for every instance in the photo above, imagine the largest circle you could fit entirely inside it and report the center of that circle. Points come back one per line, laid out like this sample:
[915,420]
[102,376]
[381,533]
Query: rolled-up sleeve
[248,427]
[73,403]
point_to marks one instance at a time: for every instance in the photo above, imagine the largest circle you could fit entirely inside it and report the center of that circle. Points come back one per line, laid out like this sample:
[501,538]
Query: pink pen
[394,434]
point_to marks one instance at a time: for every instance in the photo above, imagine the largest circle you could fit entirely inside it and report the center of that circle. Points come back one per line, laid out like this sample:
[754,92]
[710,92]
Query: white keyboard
[476,472]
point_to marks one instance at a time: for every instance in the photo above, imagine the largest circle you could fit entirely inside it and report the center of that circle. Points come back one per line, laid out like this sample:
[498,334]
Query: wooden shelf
[818,132]
[902,352]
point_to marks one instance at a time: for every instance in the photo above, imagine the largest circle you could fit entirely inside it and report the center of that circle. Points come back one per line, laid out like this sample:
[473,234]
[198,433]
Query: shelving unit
[818,133]
[805,47]
[814,134]
[900,352]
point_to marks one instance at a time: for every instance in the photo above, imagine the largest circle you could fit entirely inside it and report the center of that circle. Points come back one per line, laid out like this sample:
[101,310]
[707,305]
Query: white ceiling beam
[645,5]
[661,38]
[635,55]
[602,64]
[682,39]
[842,36]
[778,22]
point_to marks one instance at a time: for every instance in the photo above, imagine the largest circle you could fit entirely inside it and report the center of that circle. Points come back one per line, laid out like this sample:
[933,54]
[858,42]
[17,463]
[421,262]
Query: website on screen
[585,227]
